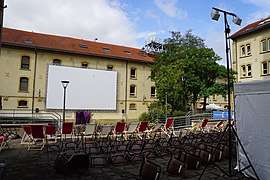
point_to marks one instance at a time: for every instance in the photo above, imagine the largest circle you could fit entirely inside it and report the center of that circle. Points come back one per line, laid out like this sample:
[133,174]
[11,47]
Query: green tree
[186,70]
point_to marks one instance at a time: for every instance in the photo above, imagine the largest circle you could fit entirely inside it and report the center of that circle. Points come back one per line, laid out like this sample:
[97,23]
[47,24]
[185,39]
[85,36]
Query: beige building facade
[251,51]
[25,57]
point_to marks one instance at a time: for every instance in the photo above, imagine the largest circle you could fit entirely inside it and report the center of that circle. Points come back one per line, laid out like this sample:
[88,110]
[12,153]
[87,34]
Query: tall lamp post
[65,84]
[215,16]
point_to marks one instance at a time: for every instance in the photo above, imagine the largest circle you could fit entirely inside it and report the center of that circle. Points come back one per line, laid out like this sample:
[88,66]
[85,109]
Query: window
[105,49]
[153,91]
[57,62]
[109,67]
[214,97]
[263,45]
[132,106]
[127,52]
[142,53]
[268,44]
[243,70]
[132,91]
[84,65]
[248,49]
[243,51]
[83,46]
[264,68]
[249,70]
[133,73]
[25,62]
[23,84]
[22,103]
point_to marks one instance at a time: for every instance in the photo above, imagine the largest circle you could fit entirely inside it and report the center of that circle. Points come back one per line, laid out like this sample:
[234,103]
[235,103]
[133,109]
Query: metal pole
[64,105]
[166,101]
[227,31]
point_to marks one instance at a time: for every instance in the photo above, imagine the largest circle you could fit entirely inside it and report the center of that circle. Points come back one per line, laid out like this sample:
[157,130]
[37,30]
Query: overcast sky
[131,22]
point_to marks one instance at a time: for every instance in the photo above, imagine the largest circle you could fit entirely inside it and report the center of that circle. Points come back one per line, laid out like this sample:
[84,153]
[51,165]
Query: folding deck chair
[51,137]
[27,135]
[202,127]
[3,139]
[142,129]
[119,130]
[131,130]
[38,138]
[149,170]
[168,127]
[216,127]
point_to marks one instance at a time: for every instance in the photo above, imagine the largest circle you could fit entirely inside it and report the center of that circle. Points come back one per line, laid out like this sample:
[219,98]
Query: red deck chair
[38,138]
[168,128]
[27,135]
[120,129]
[67,129]
[140,132]
[3,142]
[50,135]
[202,127]
[216,127]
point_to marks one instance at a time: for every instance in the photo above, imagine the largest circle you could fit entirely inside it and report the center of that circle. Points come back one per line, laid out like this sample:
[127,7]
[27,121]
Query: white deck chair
[89,132]
[105,131]
[131,129]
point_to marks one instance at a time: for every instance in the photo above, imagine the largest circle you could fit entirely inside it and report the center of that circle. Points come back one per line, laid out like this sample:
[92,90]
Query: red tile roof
[263,23]
[27,39]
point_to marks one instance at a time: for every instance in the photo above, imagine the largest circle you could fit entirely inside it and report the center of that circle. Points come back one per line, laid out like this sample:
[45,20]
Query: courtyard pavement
[20,164]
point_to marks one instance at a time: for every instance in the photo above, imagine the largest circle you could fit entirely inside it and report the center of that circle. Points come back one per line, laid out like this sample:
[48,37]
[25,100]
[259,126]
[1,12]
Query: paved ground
[19,163]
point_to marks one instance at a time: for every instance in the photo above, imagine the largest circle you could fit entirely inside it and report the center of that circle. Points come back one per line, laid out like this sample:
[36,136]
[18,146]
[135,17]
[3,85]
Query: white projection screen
[88,89]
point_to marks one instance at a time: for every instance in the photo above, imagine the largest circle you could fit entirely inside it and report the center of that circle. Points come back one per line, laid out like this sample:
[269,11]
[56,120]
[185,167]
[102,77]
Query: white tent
[213,106]
[252,102]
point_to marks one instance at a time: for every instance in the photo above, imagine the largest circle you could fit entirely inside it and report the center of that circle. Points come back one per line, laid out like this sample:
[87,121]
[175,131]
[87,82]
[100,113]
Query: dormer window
[83,45]
[28,41]
[127,52]
[142,53]
[105,49]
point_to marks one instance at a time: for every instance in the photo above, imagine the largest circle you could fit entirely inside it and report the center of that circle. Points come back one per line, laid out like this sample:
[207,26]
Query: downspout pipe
[126,90]
[34,82]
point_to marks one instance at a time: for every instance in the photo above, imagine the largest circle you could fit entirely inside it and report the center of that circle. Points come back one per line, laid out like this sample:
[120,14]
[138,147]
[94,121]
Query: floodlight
[237,20]
[215,15]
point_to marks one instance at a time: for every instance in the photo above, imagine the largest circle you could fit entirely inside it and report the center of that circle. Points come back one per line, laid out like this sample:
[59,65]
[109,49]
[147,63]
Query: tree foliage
[186,70]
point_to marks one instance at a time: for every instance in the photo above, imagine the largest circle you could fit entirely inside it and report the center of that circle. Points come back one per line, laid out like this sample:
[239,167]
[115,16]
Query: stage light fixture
[215,15]
[237,20]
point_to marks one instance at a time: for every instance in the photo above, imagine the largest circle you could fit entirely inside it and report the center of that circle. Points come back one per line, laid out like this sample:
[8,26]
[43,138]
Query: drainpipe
[34,82]
[126,90]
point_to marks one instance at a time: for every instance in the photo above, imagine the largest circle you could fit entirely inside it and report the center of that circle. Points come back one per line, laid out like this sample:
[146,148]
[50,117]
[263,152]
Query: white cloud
[263,12]
[216,40]
[169,7]
[83,19]
[260,3]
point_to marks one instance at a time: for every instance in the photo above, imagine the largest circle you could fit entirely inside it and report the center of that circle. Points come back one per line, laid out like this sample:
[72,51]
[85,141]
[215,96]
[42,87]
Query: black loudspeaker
[123,111]
[78,162]
[60,163]
[37,110]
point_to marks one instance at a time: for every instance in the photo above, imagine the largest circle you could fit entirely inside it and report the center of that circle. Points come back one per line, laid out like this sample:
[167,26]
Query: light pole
[215,16]
[65,84]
